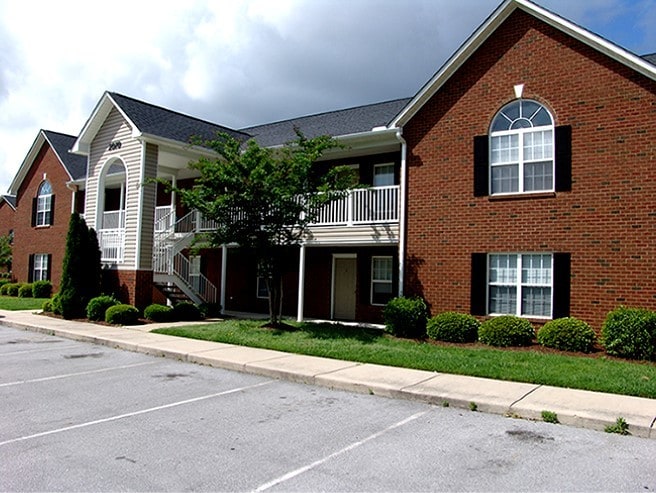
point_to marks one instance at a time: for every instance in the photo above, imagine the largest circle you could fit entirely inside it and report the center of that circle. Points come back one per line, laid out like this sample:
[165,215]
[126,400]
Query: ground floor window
[520,284]
[40,270]
[382,270]
[262,291]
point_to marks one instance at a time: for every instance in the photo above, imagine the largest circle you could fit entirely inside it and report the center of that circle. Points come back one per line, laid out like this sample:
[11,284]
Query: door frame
[332,279]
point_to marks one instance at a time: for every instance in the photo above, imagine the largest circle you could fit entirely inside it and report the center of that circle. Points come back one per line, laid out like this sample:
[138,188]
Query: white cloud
[238,63]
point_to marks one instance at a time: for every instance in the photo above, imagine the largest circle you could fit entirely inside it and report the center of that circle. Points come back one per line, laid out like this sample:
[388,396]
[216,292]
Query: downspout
[402,208]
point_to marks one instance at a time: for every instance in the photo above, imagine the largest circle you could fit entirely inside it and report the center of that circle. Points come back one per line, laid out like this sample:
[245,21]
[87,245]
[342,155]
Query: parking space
[81,417]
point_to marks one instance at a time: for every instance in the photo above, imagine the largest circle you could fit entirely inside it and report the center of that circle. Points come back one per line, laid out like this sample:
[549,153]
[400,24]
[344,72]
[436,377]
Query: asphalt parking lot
[81,417]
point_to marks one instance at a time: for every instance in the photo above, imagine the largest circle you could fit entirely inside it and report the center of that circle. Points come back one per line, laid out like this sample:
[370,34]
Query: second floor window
[43,205]
[522,149]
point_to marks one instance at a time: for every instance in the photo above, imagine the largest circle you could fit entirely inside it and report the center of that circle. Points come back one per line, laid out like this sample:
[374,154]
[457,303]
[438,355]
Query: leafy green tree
[81,269]
[5,252]
[264,199]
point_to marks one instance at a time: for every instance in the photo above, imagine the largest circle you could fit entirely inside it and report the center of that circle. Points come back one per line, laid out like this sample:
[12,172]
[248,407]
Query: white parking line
[354,445]
[135,413]
[77,374]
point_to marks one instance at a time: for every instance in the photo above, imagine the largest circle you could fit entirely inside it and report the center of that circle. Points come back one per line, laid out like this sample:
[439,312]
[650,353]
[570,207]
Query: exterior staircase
[172,273]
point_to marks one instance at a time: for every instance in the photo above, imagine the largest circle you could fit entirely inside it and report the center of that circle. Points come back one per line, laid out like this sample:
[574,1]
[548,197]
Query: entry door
[344,288]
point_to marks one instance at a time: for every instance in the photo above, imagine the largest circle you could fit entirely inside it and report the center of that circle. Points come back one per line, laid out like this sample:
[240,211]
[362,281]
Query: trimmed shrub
[406,317]
[47,306]
[567,334]
[186,311]
[158,313]
[4,288]
[3,282]
[97,306]
[210,310]
[506,330]
[11,289]
[630,333]
[25,291]
[453,327]
[41,289]
[56,304]
[122,315]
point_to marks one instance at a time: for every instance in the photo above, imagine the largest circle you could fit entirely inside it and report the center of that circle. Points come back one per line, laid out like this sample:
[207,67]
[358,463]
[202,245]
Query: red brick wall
[129,286]
[44,239]
[607,222]
[6,222]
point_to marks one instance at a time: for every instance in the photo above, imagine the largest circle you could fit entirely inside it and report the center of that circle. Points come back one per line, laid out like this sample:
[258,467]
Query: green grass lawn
[14,303]
[373,346]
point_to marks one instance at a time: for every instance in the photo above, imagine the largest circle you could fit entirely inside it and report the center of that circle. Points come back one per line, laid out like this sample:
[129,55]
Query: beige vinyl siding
[116,128]
[148,200]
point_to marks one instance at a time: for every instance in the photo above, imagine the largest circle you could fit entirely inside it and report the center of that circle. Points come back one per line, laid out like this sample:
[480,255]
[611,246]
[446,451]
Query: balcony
[362,206]
[111,236]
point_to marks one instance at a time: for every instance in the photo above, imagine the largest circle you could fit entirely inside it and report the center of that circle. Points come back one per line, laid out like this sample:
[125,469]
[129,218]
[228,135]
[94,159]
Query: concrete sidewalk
[573,407]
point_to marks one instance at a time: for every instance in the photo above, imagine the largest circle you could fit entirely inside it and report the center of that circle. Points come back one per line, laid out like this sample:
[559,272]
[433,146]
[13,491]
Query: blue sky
[242,62]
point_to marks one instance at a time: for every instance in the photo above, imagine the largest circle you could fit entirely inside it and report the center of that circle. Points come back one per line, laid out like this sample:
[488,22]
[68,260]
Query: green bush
[567,334]
[630,333]
[122,315]
[186,311]
[56,304]
[453,327]
[158,313]
[97,306]
[4,288]
[41,289]
[4,282]
[11,289]
[406,317]
[210,310]
[47,306]
[506,330]
[25,291]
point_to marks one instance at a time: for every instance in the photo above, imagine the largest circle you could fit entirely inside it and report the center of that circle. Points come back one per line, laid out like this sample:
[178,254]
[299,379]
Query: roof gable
[75,166]
[487,29]
[10,200]
[148,121]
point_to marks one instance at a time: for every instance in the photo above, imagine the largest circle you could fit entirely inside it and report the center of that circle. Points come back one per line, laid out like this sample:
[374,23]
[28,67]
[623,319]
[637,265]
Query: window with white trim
[522,149]
[44,204]
[382,272]
[520,284]
[383,175]
[40,269]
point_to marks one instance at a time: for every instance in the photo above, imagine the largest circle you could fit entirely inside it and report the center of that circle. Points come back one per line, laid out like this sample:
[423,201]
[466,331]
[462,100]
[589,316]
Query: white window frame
[261,283]
[521,161]
[44,206]
[384,165]
[374,281]
[519,285]
[40,268]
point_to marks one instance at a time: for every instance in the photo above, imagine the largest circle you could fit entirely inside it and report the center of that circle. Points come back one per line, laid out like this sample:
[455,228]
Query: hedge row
[627,332]
[37,289]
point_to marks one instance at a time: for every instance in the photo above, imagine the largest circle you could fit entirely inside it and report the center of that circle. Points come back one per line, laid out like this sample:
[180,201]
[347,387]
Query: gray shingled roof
[335,123]
[61,143]
[10,199]
[160,122]
[651,58]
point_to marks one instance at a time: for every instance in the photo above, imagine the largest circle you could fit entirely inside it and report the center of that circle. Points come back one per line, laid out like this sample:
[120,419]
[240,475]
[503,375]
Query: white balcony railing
[113,220]
[164,218]
[112,244]
[362,206]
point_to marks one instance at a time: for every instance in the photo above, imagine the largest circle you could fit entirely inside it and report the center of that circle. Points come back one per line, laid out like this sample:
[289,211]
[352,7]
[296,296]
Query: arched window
[43,205]
[521,156]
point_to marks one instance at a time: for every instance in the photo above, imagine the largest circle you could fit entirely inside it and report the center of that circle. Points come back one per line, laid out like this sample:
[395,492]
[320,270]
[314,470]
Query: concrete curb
[578,408]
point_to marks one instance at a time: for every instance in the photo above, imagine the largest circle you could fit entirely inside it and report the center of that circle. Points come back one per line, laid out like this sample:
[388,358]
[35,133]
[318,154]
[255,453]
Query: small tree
[5,252]
[264,199]
[81,269]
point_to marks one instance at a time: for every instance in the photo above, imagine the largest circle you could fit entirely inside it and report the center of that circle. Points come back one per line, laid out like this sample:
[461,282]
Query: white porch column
[301,283]
[224,267]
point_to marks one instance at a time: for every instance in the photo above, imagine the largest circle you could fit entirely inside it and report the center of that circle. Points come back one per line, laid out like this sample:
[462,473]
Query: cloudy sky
[242,62]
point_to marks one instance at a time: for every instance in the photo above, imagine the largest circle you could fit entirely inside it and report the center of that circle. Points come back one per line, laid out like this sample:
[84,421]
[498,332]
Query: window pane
[538,176]
[505,149]
[505,179]
[382,269]
[538,145]
[384,175]
[536,302]
[503,269]
[541,118]
[503,299]
[382,288]
[536,269]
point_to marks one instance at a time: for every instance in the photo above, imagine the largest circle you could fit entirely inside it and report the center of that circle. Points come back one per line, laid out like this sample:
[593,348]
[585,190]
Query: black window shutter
[34,201]
[561,284]
[30,272]
[49,271]
[52,210]
[478,284]
[563,138]
[481,166]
